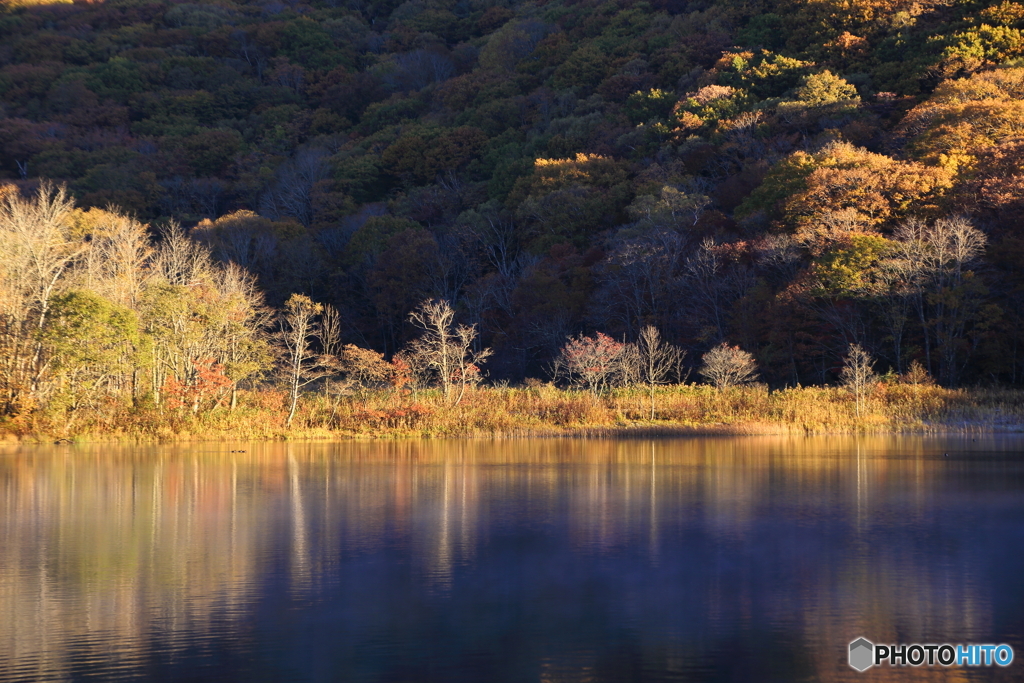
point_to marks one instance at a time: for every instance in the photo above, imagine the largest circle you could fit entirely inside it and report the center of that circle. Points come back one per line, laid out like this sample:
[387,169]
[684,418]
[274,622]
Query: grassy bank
[544,410]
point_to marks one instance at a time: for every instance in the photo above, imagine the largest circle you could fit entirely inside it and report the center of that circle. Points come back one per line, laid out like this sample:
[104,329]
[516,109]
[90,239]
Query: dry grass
[546,410]
[15,4]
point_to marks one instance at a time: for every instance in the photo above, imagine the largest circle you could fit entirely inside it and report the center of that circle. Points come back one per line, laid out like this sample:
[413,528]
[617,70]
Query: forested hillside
[787,176]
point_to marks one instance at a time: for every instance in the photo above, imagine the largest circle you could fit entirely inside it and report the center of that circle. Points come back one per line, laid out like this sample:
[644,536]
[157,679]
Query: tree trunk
[294,392]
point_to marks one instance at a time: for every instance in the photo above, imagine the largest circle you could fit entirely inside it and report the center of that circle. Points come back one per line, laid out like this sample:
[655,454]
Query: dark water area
[726,559]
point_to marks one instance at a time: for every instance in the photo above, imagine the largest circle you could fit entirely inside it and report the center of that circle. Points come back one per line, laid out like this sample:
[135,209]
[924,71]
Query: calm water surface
[748,559]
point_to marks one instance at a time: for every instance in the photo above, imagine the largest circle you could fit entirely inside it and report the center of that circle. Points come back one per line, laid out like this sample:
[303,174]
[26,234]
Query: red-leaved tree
[593,362]
[207,384]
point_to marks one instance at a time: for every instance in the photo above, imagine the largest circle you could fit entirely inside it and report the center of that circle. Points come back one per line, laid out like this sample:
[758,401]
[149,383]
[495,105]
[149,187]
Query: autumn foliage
[207,204]
[203,390]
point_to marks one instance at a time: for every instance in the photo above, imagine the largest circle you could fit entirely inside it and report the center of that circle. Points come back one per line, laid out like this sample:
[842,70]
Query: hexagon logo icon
[862,654]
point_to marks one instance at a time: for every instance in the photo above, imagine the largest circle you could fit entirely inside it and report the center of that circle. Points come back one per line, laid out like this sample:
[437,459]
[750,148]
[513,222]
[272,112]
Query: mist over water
[748,558]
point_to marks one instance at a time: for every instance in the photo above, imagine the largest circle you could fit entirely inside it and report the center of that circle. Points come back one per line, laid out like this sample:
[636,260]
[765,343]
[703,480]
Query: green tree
[92,348]
[826,88]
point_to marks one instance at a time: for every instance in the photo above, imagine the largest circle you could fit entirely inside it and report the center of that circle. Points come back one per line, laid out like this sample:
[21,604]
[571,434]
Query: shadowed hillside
[787,177]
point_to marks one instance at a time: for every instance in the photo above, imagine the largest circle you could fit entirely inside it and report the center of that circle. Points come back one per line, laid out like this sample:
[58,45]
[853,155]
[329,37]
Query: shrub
[726,366]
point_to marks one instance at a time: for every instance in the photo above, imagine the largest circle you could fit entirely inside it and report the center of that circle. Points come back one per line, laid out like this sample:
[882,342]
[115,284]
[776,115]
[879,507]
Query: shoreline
[542,412]
[624,432]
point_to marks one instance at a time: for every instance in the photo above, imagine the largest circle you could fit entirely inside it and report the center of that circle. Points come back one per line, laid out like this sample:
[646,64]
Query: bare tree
[858,374]
[297,178]
[183,272]
[726,366]
[299,329]
[455,266]
[37,249]
[711,286]
[916,376]
[331,359]
[652,361]
[446,348]
[636,278]
[243,343]
[933,261]
[117,265]
[894,301]
[180,260]
[330,332]
[501,244]
[251,52]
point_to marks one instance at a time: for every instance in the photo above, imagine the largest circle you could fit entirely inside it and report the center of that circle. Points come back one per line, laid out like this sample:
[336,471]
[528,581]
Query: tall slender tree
[858,374]
[652,361]
[447,348]
[298,330]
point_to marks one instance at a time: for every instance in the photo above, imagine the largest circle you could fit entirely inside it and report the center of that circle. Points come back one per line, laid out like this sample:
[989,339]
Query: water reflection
[552,560]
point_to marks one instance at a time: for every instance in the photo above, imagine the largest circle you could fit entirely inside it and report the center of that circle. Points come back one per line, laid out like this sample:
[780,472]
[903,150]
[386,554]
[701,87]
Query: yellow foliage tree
[841,190]
[589,169]
[964,117]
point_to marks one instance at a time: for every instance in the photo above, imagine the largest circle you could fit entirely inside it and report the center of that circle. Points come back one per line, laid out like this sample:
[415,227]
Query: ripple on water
[551,560]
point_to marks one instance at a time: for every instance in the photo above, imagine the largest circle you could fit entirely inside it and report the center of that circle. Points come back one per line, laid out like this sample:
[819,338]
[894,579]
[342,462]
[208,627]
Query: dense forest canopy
[787,176]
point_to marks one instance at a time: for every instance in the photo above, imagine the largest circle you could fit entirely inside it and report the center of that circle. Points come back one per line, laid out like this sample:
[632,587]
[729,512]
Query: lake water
[725,559]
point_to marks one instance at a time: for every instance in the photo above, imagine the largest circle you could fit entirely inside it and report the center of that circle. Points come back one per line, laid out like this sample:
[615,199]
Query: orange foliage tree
[965,116]
[206,386]
[824,197]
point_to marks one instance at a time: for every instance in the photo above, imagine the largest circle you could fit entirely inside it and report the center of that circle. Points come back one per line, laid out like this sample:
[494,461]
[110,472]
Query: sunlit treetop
[965,116]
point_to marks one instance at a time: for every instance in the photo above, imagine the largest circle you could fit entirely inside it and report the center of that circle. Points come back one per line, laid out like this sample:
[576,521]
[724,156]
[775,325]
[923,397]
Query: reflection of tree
[95,554]
[705,537]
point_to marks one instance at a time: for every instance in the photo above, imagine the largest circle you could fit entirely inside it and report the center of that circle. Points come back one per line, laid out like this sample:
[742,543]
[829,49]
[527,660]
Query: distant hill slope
[766,173]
